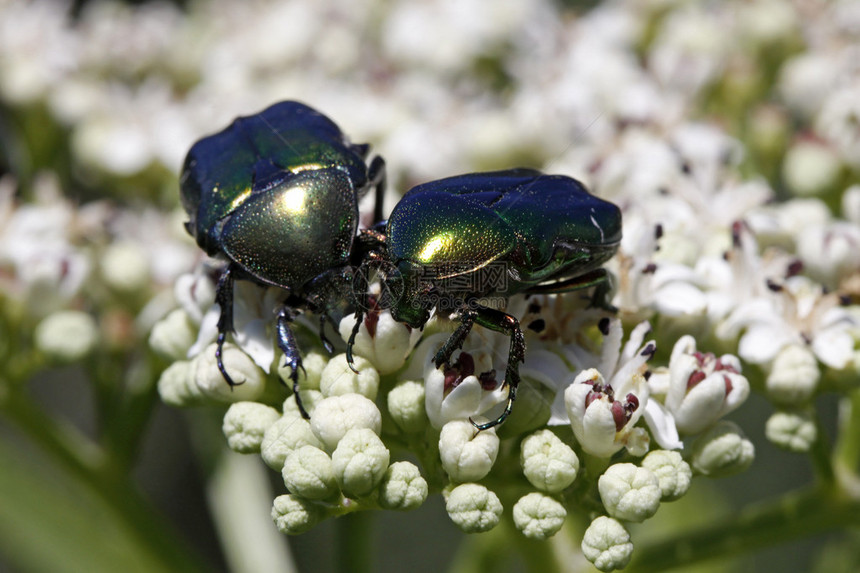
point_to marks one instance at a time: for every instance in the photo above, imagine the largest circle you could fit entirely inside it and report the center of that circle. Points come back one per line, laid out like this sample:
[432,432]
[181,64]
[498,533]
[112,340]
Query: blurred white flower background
[727,382]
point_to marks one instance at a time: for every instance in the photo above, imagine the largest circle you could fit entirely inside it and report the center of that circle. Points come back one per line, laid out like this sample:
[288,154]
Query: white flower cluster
[741,235]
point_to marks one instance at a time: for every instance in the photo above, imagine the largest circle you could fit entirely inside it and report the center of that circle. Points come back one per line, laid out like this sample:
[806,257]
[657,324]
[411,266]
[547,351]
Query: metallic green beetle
[451,242]
[276,195]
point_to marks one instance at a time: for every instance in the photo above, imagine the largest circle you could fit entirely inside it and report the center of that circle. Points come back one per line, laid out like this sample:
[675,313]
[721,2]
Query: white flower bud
[793,375]
[406,406]
[810,168]
[211,384]
[310,399]
[173,335]
[338,378]
[310,373]
[309,473]
[548,463]
[360,461]
[722,451]
[290,432]
[466,453]
[67,335]
[175,386]
[293,515]
[335,416]
[125,267]
[473,508]
[629,492]
[673,473]
[538,515]
[245,423]
[195,293]
[794,431]
[389,345]
[402,487]
[607,544]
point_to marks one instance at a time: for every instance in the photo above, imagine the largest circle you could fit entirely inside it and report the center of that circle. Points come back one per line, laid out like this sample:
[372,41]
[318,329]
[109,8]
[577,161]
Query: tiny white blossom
[473,508]
[795,431]
[402,487]
[293,515]
[722,451]
[175,387]
[630,493]
[125,266]
[290,432]
[810,168]
[337,378]
[67,335]
[245,423]
[467,454]
[603,412]
[538,516]
[173,335]
[548,463]
[333,417]
[607,544]
[249,381]
[309,473]
[359,461]
[406,406]
[459,392]
[382,340]
[673,473]
[313,364]
[793,375]
[310,399]
[699,388]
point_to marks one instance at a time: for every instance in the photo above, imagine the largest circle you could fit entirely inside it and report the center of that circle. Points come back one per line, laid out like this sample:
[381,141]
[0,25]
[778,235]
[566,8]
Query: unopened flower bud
[313,364]
[310,399]
[245,423]
[548,463]
[173,335]
[793,430]
[338,378]
[175,386]
[360,461]
[288,433]
[722,451]
[673,473]
[538,515]
[381,340]
[467,454]
[402,487]
[629,492]
[406,406]
[248,378]
[293,515]
[308,472]
[810,168]
[125,267]
[473,508]
[793,375]
[335,416]
[607,544]
[67,335]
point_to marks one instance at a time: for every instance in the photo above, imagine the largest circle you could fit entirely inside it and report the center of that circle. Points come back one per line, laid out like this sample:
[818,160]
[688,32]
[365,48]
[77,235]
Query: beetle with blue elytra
[276,195]
[547,233]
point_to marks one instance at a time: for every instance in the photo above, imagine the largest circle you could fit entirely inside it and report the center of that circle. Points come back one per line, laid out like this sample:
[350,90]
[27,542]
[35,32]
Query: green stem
[797,514]
[846,451]
[85,461]
[354,542]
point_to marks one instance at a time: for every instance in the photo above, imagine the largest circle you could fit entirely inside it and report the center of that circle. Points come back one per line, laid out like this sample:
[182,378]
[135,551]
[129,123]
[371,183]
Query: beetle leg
[292,358]
[376,174]
[325,341]
[224,299]
[455,341]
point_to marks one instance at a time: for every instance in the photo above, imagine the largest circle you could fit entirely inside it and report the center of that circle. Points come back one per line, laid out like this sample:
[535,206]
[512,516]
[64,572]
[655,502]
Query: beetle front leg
[224,299]
[292,358]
